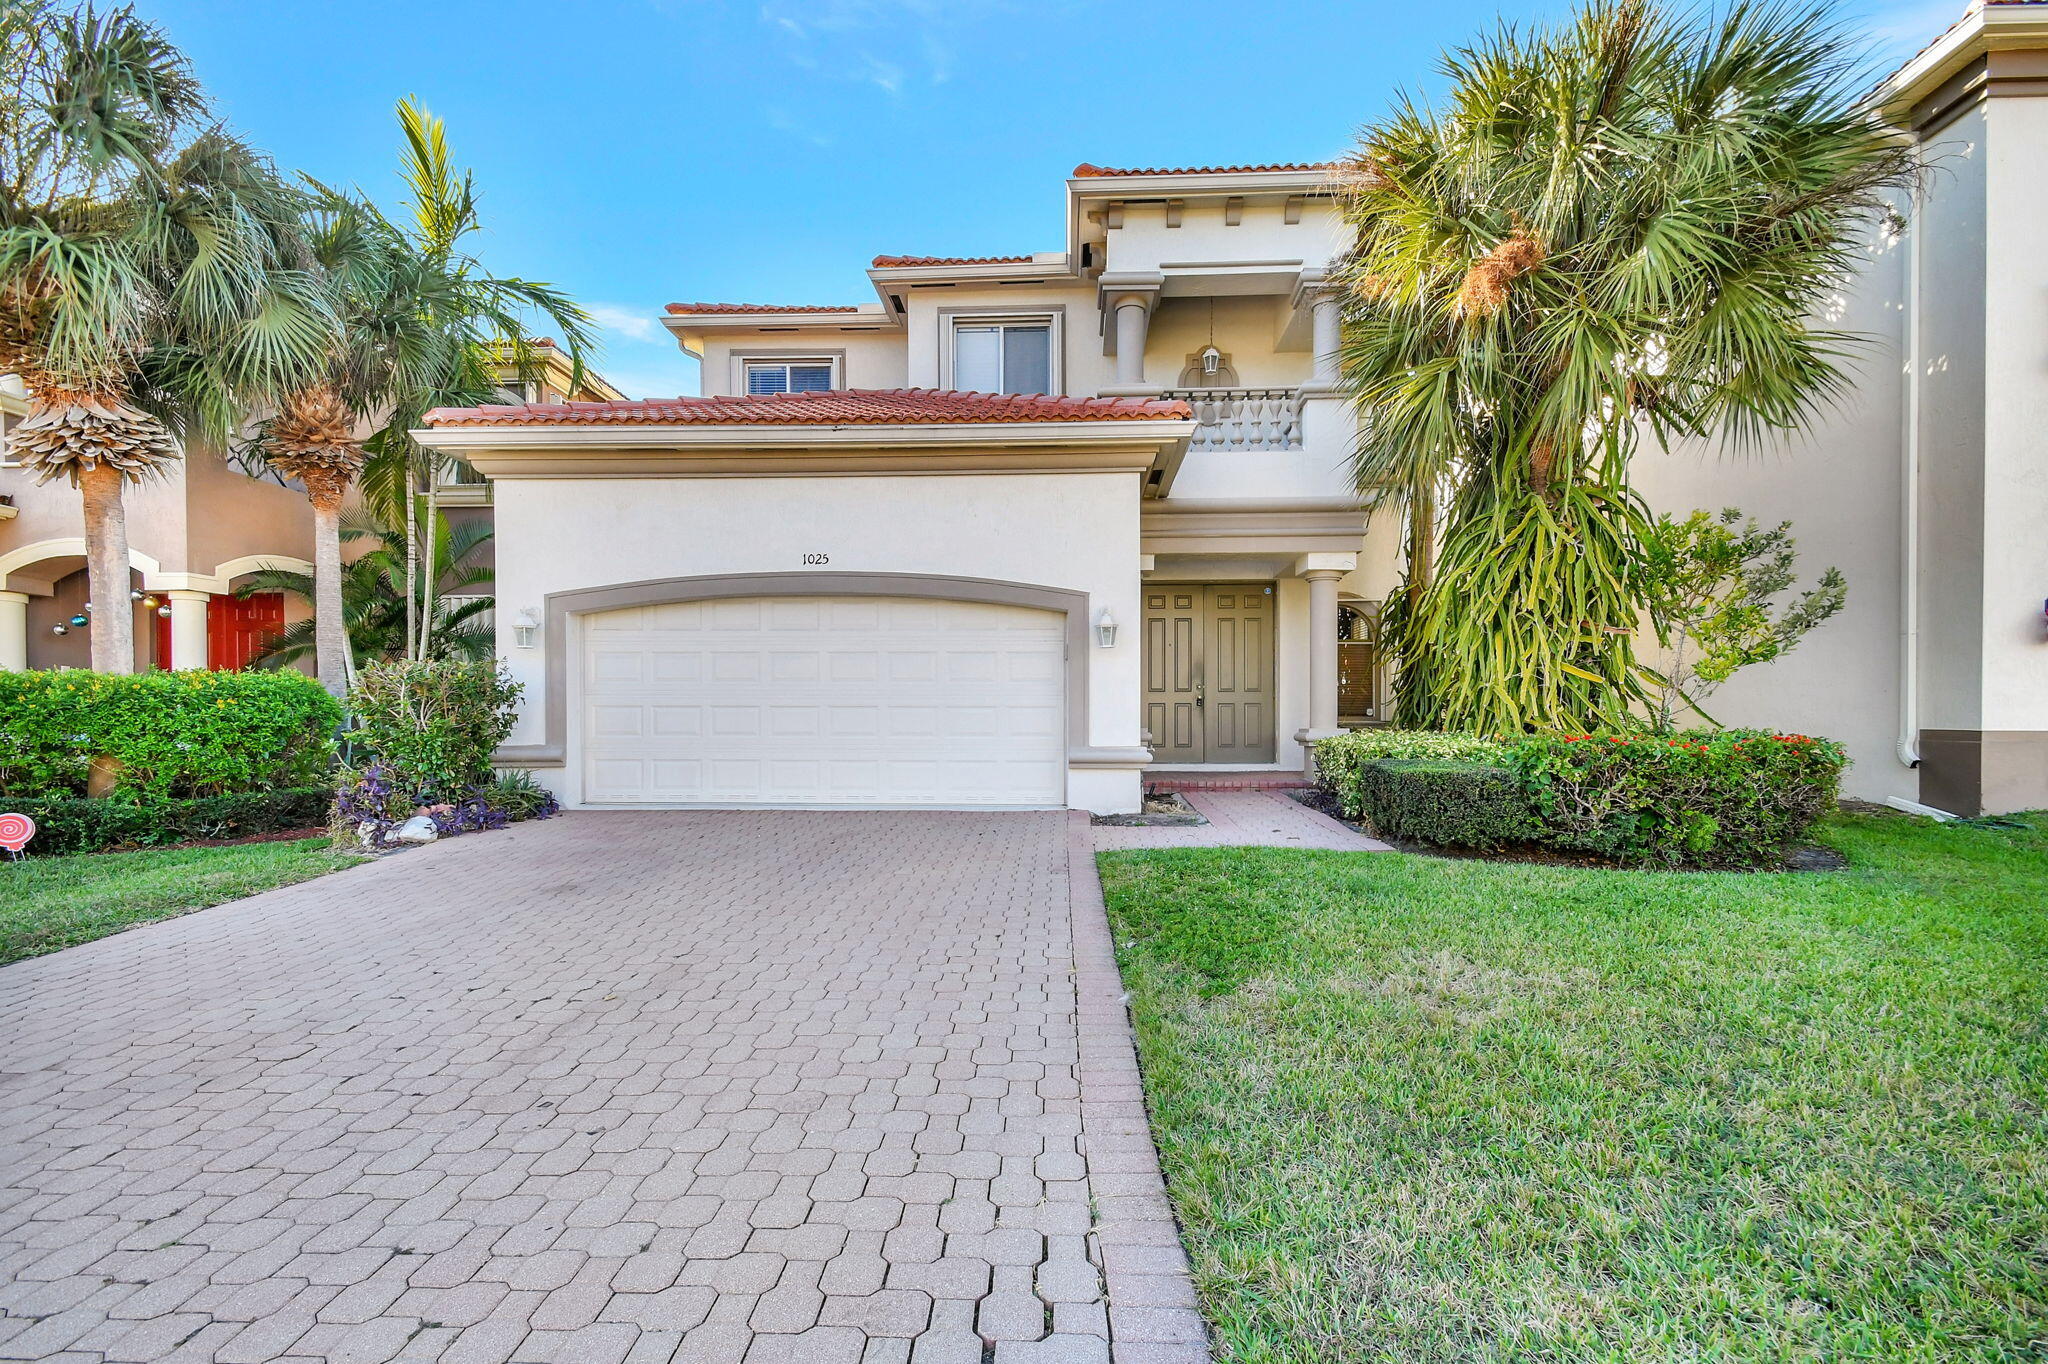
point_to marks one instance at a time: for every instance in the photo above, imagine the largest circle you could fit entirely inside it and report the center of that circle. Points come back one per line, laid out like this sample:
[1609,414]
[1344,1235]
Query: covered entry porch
[1259,632]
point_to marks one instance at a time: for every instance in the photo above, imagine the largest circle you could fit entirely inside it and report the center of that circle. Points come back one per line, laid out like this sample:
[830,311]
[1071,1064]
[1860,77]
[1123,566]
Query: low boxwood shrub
[81,824]
[432,726]
[163,735]
[1703,798]
[1340,759]
[1456,804]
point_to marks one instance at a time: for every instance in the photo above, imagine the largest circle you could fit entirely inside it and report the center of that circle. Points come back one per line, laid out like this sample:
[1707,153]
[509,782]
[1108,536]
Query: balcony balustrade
[1234,419]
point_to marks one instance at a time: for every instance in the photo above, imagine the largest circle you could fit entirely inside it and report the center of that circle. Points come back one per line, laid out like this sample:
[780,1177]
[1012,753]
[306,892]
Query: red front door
[236,628]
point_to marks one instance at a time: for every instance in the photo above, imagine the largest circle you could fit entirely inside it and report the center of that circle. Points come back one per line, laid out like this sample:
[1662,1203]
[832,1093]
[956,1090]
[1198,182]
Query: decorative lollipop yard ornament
[15,832]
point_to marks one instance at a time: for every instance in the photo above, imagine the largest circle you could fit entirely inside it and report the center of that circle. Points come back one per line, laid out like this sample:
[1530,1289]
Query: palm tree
[1620,227]
[153,282]
[373,611]
[464,322]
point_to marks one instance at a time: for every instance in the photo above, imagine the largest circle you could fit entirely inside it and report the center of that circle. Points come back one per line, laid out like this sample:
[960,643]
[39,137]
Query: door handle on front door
[1198,695]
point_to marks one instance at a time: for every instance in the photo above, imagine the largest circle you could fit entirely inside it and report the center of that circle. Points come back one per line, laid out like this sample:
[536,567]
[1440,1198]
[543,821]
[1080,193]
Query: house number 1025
[814,560]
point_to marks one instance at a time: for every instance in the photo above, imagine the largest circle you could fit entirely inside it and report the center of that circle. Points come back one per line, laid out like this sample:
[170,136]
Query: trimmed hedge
[1456,804]
[1341,759]
[168,735]
[1703,798]
[79,824]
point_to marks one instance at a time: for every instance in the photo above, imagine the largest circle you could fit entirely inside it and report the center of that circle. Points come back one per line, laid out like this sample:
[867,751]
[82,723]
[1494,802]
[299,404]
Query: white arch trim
[64,547]
[154,576]
[225,572]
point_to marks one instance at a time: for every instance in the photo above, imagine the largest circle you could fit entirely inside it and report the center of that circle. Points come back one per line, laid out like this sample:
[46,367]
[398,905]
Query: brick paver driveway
[690,1086]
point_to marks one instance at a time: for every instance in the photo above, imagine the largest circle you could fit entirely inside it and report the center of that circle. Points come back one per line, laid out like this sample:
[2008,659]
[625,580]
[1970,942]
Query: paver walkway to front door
[691,1086]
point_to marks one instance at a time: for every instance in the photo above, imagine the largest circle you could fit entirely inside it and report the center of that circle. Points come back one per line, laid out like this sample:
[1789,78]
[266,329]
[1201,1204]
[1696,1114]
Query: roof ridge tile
[831,407]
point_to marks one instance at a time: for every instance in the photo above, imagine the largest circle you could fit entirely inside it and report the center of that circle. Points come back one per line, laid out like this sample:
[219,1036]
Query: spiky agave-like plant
[1625,225]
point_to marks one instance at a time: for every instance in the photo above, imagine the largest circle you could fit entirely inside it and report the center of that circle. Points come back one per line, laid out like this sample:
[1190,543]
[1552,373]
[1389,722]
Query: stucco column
[188,628]
[1322,651]
[1323,317]
[1133,320]
[13,631]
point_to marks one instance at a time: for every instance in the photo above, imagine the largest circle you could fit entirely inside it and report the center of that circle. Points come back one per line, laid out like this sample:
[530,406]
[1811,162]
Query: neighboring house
[193,537]
[869,568]
[1928,485]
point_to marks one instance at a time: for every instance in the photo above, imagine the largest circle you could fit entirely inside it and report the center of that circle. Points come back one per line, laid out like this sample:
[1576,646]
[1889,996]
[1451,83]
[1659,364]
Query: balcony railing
[1243,418]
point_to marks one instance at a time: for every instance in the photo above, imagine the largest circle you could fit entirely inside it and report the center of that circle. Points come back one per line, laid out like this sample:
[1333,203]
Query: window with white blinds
[1003,357]
[788,376]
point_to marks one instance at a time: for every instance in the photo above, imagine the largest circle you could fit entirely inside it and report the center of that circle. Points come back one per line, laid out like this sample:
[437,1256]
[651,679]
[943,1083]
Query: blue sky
[637,152]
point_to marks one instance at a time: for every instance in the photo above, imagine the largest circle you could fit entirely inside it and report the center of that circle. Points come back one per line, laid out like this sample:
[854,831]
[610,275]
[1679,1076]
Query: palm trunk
[412,558]
[429,561]
[1421,544]
[106,569]
[330,628]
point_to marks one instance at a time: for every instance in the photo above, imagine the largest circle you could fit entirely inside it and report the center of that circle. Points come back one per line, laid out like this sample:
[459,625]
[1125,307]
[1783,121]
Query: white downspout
[1909,502]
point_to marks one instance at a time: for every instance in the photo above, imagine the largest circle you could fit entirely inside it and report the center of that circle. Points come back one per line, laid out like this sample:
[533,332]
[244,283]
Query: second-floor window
[1003,356]
[788,376]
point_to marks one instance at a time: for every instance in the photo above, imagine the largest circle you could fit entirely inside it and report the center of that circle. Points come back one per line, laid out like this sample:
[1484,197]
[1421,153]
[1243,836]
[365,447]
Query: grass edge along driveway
[47,903]
[1428,1109]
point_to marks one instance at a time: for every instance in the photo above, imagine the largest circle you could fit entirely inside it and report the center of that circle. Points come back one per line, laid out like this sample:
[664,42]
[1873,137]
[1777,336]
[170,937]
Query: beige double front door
[1209,672]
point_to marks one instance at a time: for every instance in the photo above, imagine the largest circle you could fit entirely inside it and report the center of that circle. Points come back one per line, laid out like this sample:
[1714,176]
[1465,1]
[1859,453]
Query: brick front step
[1190,780]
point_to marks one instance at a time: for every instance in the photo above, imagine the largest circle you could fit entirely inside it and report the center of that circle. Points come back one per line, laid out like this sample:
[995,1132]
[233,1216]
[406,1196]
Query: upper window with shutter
[789,376]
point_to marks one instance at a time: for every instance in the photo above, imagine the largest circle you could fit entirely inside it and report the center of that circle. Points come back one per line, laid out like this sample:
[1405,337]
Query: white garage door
[859,701]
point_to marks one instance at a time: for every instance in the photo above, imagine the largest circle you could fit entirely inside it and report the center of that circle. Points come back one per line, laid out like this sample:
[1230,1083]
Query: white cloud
[630,322]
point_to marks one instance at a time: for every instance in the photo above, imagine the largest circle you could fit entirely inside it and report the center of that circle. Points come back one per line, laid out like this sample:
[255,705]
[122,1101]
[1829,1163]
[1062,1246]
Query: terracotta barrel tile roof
[762,308]
[839,407]
[1086,171]
[895,262]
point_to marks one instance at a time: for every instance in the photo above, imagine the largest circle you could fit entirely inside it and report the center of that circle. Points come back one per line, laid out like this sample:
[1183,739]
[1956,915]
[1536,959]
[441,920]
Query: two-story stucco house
[1025,526]
[1007,535]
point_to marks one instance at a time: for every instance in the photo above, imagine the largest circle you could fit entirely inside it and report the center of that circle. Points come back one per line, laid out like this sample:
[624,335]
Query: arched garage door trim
[562,606]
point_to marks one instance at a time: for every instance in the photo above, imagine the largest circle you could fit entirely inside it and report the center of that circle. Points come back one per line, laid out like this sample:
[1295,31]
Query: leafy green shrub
[1340,759]
[1456,804]
[433,725]
[81,824]
[165,735]
[1702,798]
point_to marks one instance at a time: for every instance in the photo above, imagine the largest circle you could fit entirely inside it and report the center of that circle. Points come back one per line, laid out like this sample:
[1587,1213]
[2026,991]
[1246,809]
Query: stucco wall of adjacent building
[1072,531]
[1838,484]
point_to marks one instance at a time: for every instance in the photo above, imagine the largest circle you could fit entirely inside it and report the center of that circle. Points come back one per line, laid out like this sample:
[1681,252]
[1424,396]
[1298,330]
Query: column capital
[186,594]
[14,598]
[1324,565]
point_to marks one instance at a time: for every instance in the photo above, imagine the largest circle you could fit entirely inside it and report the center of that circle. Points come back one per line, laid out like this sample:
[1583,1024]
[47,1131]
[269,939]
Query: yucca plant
[1621,227]
[153,278]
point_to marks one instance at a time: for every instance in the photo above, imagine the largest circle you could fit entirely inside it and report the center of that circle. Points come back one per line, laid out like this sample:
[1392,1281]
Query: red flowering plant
[1702,798]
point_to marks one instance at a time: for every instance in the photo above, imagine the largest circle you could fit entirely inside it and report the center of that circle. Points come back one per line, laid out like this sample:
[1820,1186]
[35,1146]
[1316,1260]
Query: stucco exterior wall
[1839,485]
[868,359]
[1073,531]
[1146,243]
[1085,368]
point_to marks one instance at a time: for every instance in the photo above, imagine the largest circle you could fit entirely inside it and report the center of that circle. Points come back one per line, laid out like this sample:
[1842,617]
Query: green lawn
[52,902]
[1422,1109]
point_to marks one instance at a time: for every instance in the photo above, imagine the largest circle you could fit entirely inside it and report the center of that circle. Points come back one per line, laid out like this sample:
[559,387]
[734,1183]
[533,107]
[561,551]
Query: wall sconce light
[1212,360]
[1105,629]
[524,626]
